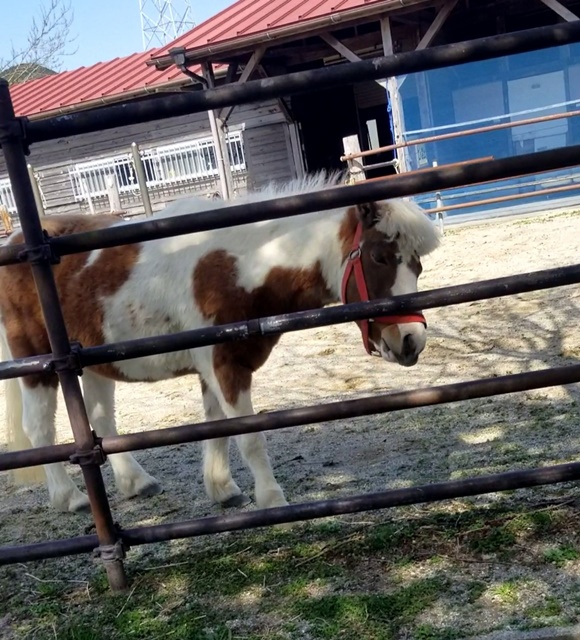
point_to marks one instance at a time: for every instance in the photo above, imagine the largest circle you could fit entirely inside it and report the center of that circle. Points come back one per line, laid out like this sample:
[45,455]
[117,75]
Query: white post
[36,190]
[356,172]
[87,195]
[113,194]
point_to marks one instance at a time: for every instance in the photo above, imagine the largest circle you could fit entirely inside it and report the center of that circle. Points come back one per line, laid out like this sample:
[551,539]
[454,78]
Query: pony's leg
[231,386]
[217,477]
[130,477]
[38,418]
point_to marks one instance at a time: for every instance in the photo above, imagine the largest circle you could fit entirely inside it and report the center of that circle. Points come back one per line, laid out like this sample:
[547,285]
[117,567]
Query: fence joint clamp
[108,553]
[41,254]
[86,457]
[70,362]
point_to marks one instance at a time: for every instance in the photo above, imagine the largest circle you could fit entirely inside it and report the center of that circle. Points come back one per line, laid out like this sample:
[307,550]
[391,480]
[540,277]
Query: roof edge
[104,101]
[333,19]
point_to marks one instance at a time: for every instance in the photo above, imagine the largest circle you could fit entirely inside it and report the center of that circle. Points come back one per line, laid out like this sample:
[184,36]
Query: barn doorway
[327,116]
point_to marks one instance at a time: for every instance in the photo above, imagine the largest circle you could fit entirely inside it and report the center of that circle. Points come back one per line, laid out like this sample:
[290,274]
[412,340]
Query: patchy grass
[381,580]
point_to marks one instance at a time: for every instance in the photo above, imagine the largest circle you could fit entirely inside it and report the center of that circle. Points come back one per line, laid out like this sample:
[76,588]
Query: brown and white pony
[164,286]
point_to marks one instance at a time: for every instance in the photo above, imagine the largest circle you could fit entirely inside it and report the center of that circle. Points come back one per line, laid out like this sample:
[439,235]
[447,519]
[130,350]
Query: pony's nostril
[408,345]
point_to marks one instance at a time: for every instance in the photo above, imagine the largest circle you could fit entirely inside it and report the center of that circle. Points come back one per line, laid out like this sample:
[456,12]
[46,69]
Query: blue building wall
[491,92]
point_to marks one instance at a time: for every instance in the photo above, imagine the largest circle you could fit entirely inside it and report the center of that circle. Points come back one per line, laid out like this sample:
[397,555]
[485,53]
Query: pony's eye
[399,259]
[379,258]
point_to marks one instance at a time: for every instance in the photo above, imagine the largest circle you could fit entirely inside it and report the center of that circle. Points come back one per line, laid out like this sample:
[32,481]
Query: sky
[104,30]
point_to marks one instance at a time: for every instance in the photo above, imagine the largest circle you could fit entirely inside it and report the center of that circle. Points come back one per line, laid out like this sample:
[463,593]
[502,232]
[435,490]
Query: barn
[228,152]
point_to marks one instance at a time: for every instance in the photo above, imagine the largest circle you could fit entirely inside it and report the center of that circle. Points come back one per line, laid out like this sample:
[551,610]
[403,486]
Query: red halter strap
[354,262]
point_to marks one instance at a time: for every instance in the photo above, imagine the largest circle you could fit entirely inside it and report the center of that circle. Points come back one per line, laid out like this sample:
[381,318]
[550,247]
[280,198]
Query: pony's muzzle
[403,343]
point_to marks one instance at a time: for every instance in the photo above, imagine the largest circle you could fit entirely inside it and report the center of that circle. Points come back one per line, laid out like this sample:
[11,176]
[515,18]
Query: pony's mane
[297,186]
[417,232]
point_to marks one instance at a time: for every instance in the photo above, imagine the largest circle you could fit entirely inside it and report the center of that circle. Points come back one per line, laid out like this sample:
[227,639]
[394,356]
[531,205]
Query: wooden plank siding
[268,156]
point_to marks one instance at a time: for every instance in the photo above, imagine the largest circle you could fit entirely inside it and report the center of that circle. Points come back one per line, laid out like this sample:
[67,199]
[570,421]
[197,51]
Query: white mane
[417,233]
[309,183]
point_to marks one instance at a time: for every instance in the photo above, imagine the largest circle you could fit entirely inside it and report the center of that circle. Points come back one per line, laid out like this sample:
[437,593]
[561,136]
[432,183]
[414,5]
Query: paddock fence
[111,541]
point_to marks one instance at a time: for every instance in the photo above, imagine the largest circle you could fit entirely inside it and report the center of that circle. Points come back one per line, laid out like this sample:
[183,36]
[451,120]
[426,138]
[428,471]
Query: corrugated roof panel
[99,81]
[250,17]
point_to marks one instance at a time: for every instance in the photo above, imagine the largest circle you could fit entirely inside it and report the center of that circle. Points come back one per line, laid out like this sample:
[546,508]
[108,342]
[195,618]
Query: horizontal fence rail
[305,511]
[424,180]
[301,320]
[274,420]
[302,82]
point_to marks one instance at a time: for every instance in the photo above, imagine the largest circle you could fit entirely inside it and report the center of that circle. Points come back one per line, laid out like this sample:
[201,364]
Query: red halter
[355,263]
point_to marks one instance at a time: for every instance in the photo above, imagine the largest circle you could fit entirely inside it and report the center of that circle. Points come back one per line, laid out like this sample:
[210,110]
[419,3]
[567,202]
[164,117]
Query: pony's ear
[369,214]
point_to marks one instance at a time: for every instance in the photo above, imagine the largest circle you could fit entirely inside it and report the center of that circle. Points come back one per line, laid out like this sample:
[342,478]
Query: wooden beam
[344,51]
[561,10]
[436,25]
[280,101]
[253,63]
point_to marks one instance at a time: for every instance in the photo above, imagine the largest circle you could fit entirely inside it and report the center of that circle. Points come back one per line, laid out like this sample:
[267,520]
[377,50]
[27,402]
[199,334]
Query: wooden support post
[219,139]
[394,97]
[36,190]
[141,179]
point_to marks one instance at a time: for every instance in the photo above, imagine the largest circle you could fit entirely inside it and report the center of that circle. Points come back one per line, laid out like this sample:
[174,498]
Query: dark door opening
[325,118]
[375,131]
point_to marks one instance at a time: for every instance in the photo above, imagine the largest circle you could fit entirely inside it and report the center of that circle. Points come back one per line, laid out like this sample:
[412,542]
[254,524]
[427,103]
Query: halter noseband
[354,262]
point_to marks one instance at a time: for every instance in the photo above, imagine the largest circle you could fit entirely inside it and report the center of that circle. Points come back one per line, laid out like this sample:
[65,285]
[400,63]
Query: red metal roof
[99,83]
[130,76]
[251,17]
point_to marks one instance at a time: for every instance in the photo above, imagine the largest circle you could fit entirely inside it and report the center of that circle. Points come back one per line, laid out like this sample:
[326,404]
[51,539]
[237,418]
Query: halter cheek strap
[354,263]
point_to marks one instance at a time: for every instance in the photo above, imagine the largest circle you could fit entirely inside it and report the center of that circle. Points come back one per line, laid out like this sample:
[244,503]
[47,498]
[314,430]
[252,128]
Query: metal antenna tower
[164,20]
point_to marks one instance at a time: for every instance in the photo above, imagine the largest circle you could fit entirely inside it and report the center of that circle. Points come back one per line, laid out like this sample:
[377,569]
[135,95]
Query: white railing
[180,163]
[6,196]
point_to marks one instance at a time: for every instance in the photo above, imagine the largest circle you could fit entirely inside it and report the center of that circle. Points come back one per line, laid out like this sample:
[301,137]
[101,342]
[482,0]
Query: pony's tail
[17,439]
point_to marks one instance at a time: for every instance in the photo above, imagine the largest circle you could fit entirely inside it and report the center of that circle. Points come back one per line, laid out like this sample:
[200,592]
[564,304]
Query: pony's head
[385,261]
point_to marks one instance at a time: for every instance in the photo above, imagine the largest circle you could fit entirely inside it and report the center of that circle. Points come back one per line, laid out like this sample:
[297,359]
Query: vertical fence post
[141,179]
[36,190]
[89,454]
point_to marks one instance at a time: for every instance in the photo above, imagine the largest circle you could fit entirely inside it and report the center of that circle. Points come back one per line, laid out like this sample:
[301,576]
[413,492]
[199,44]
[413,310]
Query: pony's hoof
[270,499]
[238,501]
[80,504]
[152,488]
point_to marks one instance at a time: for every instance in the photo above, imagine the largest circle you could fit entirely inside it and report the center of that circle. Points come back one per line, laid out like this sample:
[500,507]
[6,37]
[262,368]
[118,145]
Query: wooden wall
[266,142]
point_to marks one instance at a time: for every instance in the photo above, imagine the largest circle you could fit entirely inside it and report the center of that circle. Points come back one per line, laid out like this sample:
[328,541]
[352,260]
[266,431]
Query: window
[6,196]
[165,165]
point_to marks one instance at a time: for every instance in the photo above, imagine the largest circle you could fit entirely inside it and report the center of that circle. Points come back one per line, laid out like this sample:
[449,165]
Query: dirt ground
[483,339]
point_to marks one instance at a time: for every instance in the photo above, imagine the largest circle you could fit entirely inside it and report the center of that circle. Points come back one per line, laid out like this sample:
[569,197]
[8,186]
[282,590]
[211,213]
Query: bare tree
[48,41]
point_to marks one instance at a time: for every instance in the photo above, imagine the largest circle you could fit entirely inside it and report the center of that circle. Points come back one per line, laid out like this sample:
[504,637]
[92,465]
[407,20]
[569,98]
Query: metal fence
[110,541]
